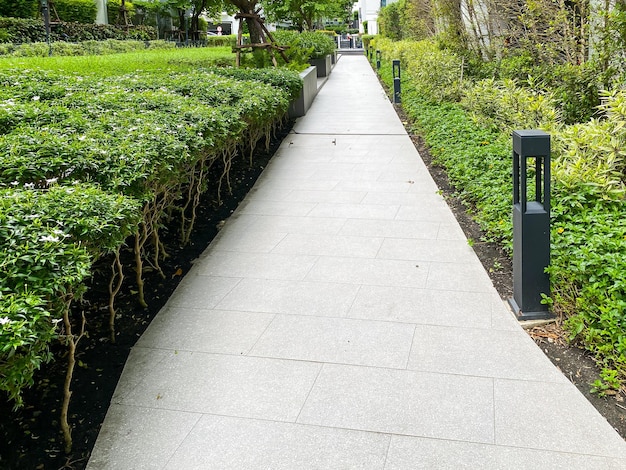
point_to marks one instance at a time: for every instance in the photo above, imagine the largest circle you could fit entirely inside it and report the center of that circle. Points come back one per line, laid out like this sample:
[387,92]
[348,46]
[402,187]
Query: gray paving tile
[140,364]
[291,297]
[219,442]
[444,251]
[286,224]
[197,291]
[376,272]
[426,213]
[337,340]
[247,242]
[480,352]
[335,197]
[463,277]
[277,182]
[248,387]
[259,207]
[215,331]
[426,200]
[375,186]
[450,231]
[256,265]
[355,211]
[391,229]
[139,438]
[402,402]
[552,416]
[329,245]
[502,318]
[426,307]
[414,453]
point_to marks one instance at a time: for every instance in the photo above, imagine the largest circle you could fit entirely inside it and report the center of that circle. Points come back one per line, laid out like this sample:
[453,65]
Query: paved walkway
[339,321]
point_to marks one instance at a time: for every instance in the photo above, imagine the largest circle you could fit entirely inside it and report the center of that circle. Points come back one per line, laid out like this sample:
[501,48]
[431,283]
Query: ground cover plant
[467,121]
[90,165]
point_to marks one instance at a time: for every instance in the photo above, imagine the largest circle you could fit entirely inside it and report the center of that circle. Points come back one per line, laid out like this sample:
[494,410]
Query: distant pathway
[340,321]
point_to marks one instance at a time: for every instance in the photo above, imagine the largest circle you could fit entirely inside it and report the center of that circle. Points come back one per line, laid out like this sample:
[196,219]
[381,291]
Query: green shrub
[19,8]
[435,73]
[79,11]
[507,107]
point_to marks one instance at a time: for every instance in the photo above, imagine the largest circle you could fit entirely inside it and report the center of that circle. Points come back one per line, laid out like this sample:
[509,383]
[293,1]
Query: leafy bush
[19,8]
[507,107]
[86,162]
[79,11]
[21,31]
[305,46]
[588,215]
[436,73]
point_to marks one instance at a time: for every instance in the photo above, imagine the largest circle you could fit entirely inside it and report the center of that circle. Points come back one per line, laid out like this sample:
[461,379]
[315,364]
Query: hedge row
[467,125]
[19,31]
[62,48]
[84,163]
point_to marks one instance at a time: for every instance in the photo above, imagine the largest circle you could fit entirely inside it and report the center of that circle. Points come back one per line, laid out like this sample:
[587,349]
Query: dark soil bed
[30,438]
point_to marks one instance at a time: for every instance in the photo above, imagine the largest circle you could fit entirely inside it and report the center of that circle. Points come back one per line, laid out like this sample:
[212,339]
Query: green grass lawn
[178,59]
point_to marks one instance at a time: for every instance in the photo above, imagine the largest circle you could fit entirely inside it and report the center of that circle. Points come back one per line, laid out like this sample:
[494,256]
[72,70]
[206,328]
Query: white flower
[82,137]
[4,320]
[36,98]
[52,180]
[14,183]
[29,185]
[49,238]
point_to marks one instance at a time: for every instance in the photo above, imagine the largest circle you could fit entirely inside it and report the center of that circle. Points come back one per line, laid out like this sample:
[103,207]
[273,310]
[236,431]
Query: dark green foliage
[77,11]
[19,8]
[24,31]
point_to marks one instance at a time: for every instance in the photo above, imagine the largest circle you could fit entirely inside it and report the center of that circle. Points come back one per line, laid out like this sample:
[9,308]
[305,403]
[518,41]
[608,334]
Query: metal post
[45,10]
[378,56]
[531,224]
[396,82]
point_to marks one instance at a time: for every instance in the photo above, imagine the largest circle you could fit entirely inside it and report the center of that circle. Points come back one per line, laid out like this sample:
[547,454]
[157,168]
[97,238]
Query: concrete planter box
[333,58]
[323,66]
[301,105]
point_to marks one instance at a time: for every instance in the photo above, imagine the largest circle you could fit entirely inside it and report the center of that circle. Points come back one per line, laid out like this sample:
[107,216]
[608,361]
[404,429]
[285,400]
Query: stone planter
[323,66]
[301,105]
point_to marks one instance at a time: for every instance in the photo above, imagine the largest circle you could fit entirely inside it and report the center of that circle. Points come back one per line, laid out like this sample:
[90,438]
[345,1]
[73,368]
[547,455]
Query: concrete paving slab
[562,419]
[140,438]
[355,211]
[214,331]
[288,224]
[226,385]
[291,297]
[415,453]
[197,291]
[255,265]
[480,352]
[402,402]
[329,245]
[219,442]
[444,251]
[425,307]
[337,340]
[391,229]
[463,277]
[373,272]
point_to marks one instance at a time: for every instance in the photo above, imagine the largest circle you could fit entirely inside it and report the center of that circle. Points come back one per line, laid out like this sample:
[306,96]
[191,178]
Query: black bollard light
[378,57]
[531,224]
[396,82]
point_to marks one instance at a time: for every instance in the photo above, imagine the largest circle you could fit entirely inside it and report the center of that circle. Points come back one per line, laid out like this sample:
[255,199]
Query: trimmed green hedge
[86,162]
[19,31]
